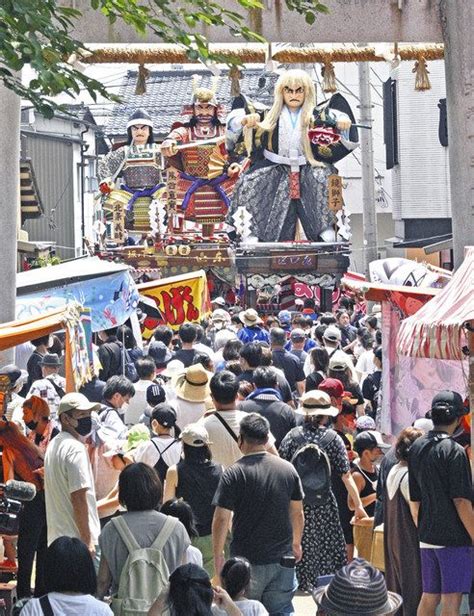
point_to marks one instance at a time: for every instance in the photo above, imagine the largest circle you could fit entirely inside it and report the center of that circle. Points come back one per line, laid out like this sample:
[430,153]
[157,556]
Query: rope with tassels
[422,80]
[329,77]
[143,74]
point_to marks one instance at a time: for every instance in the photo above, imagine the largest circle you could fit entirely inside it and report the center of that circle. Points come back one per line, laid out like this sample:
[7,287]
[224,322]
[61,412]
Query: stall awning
[437,329]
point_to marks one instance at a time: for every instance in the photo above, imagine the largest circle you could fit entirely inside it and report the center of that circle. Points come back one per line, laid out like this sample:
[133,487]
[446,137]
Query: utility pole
[369,215]
[9,204]
[457,21]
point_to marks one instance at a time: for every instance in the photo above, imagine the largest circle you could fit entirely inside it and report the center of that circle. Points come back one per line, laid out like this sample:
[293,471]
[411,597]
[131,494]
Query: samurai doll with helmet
[130,179]
[293,147]
[204,177]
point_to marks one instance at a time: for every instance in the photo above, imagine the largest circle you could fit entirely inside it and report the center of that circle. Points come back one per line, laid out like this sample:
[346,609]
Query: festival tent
[438,329]
[73,319]
[444,327]
[107,288]
[408,383]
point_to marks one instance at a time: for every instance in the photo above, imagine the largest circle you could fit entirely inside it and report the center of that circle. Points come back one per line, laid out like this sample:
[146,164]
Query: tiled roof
[168,91]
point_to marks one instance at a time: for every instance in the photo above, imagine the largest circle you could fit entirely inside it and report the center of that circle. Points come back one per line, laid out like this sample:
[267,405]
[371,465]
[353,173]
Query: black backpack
[313,467]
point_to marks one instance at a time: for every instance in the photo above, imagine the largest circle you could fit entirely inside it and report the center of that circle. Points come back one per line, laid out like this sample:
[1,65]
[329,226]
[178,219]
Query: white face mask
[124,407]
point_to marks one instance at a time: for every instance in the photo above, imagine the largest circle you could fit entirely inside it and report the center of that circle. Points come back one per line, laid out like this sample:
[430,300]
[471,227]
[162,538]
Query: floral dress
[324,548]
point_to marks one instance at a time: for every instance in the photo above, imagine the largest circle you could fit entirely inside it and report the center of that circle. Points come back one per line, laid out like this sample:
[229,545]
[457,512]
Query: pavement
[304,604]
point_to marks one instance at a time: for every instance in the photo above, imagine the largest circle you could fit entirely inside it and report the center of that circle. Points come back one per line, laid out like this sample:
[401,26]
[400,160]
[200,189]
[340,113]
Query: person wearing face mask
[71,507]
[117,394]
[32,520]
[370,447]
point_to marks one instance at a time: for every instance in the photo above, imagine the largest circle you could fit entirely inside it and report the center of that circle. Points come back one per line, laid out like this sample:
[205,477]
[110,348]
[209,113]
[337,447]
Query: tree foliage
[37,32]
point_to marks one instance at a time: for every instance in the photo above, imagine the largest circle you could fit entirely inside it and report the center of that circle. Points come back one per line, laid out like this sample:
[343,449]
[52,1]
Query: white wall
[421,180]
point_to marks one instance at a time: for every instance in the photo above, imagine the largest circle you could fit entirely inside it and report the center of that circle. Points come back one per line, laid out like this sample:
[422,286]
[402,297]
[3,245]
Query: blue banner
[111,299]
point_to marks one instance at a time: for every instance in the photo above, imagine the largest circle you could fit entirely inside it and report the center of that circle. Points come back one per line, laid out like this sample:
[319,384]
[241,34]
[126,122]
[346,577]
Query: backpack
[313,467]
[145,573]
[128,367]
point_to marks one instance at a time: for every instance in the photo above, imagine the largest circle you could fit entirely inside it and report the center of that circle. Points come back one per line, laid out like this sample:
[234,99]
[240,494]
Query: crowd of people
[221,468]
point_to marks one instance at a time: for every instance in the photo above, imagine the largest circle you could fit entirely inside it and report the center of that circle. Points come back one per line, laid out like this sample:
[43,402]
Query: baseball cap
[219,301]
[423,424]
[164,414]
[284,316]
[195,435]
[332,333]
[365,422]
[448,403]
[155,394]
[335,389]
[297,334]
[76,402]
[368,440]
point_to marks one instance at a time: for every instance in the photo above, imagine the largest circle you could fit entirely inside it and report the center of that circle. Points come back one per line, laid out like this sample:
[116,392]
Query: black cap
[369,439]
[159,352]
[447,405]
[155,394]
[165,415]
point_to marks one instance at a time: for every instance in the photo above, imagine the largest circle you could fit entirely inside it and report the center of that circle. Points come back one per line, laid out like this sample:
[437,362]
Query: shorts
[446,570]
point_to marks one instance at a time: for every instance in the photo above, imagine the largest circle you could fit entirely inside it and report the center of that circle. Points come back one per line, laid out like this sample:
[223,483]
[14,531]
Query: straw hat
[357,589]
[193,385]
[250,317]
[316,402]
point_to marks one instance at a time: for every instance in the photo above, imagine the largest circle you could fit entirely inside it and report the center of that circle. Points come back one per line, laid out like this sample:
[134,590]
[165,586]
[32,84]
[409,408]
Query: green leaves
[37,32]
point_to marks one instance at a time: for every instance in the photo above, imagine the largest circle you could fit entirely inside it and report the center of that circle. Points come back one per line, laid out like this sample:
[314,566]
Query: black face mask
[31,425]
[84,426]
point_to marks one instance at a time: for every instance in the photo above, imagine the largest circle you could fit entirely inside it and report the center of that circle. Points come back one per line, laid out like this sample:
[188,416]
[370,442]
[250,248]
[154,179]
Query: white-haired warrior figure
[293,148]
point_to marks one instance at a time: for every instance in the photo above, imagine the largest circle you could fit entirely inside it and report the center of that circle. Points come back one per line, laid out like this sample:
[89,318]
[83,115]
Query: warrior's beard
[204,119]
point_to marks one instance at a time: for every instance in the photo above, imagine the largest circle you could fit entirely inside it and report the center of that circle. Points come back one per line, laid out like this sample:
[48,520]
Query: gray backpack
[145,573]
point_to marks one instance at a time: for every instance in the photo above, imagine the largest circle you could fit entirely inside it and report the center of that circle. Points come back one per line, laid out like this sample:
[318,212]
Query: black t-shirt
[313,380]
[258,488]
[186,356]
[438,472]
[281,417]
[291,366]
[371,386]
[283,386]
[34,369]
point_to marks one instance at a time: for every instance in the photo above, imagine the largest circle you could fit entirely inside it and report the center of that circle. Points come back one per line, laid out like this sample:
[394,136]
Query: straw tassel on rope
[422,80]
[235,75]
[329,77]
[143,74]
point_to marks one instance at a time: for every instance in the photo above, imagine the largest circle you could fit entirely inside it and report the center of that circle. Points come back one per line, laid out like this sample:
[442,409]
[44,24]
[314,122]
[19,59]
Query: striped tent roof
[437,329]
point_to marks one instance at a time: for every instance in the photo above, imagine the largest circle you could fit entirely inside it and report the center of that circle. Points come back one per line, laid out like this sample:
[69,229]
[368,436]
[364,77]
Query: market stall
[75,321]
[443,329]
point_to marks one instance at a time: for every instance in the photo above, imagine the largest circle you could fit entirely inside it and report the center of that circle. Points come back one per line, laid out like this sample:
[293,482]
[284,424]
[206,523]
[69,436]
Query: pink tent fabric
[436,330]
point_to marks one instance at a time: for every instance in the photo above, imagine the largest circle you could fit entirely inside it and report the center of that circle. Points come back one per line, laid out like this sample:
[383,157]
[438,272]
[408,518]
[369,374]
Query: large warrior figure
[138,166]
[205,176]
[293,148]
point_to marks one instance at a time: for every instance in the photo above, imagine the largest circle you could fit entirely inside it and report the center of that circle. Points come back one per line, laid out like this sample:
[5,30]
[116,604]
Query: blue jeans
[274,586]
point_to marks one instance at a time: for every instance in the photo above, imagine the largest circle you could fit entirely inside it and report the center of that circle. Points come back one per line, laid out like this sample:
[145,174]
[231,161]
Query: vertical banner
[180,299]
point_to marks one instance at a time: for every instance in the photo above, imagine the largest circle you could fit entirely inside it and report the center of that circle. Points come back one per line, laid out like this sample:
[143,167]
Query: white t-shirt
[137,404]
[224,448]
[193,556]
[188,412]
[248,607]
[44,388]
[68,605]
[67,469]
[398,478]
[365,364]
[148,453]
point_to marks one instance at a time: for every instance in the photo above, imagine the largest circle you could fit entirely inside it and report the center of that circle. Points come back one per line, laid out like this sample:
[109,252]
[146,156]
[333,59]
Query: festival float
[252,197]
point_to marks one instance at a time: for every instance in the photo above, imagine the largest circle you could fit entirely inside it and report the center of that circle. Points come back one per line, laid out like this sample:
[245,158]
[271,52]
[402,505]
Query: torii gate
[403,21]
